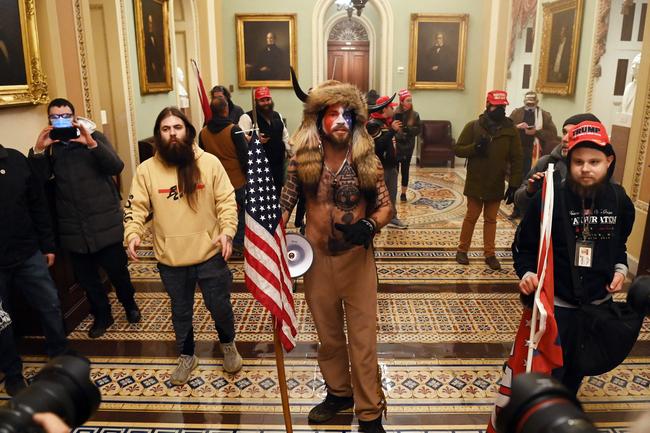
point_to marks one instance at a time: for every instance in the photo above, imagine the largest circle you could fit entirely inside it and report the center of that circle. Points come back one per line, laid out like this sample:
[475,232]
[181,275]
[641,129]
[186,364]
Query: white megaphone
[300,254]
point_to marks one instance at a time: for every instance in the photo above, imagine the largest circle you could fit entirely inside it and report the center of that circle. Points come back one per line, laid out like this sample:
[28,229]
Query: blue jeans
[215,280]
[32,277]
[240,198]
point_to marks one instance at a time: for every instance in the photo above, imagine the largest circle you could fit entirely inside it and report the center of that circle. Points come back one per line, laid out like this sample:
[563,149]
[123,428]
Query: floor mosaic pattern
[402,318]
[411,387]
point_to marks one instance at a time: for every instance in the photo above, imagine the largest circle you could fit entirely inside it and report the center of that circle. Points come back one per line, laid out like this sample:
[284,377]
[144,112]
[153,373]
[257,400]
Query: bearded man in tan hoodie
[194,220]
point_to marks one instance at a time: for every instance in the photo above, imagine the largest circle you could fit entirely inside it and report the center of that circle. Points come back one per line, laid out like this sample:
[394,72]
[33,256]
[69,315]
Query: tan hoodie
[181,236]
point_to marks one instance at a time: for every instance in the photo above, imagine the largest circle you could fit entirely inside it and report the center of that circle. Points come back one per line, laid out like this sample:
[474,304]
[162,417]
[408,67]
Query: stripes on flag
[266,272]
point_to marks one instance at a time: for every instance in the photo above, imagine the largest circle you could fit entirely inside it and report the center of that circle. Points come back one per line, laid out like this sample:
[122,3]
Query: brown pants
[341,289]
[474,208]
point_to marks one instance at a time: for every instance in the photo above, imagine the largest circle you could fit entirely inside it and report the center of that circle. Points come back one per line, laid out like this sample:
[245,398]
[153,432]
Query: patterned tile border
[402,318]
[412,387]
[111,427]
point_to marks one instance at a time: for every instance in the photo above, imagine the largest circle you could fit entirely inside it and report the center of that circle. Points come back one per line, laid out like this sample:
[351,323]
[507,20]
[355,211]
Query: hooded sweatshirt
[181,236]
[522,197]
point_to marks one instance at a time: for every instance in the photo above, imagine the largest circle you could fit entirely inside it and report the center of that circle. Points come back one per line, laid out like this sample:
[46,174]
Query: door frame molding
[372,38]
[319,42]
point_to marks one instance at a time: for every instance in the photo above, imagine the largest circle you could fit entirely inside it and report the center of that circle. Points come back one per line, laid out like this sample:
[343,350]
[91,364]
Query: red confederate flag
[538,348]
[265,249]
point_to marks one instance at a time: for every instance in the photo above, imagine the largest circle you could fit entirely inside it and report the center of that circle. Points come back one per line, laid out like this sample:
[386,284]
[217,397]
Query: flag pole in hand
[265,257]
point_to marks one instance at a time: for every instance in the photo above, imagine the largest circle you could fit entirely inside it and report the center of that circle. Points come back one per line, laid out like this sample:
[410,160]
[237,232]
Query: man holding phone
[88,212]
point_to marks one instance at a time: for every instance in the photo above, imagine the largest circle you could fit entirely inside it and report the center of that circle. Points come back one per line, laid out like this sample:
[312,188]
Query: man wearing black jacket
[599,216]
[88,210]
[382,128]
[26,251]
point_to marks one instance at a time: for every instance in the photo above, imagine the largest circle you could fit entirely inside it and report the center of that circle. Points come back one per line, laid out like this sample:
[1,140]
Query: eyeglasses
[60,116]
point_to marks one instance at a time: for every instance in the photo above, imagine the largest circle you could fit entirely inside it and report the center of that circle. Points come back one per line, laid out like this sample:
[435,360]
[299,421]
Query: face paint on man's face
[337,118]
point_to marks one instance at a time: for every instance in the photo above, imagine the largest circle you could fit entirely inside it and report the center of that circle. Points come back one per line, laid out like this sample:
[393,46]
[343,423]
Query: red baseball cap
[592,134]
[383,99]
[497,97]
[262,92]
[403,94]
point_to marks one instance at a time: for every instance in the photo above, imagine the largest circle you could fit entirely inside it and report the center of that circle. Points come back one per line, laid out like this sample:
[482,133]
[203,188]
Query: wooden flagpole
[282,378]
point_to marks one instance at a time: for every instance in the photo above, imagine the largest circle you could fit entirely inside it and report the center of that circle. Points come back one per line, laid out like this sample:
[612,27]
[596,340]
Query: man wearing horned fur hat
[347,203]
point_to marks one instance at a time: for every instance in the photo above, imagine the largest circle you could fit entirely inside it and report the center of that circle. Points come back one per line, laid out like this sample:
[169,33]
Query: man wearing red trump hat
[273,133]
[490,144]
[592,219]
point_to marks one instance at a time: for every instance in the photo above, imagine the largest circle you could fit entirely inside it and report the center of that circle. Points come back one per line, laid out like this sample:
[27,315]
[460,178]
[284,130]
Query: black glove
[509,195]
[482,145]
[359,233]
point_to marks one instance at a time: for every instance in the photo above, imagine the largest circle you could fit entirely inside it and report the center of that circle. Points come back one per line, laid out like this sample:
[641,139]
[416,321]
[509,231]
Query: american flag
[538,350]
[265,249]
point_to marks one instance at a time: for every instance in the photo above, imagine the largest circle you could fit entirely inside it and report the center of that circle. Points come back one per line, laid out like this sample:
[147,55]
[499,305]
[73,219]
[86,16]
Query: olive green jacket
[486,173]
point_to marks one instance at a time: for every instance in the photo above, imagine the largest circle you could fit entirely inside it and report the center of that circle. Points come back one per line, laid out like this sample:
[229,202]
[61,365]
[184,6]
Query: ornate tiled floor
[444,331]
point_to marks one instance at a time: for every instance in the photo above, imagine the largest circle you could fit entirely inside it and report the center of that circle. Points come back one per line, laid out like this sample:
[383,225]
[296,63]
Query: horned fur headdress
[307,138]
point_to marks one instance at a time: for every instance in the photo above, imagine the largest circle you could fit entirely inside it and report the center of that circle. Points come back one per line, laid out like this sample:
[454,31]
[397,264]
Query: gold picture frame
[262,60]
[558,66]
[152,41]
[438,44]
[22,80]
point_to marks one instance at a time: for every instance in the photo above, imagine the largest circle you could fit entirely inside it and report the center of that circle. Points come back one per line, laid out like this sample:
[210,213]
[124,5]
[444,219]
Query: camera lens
[540,404]
[63,387]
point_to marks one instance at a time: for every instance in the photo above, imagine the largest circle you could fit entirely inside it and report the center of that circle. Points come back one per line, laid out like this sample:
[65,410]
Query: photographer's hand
[43,141]
[51,423]
[84,136]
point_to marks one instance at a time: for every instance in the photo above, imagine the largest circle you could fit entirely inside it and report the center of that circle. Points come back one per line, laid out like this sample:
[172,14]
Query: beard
[585,191]
[178,153]
[339,141]
[267,110]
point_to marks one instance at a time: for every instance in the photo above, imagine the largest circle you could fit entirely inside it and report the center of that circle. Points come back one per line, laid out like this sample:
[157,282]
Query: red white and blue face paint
[337,118]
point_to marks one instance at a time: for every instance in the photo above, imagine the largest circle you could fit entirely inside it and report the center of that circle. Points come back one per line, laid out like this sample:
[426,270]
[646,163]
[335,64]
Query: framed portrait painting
[438,44]
[21,76]
[560,47]
[152,37]
[266,47]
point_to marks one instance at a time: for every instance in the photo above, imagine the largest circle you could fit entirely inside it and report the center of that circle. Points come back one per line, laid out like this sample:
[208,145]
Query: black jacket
[274,148]
[384,147]
[88,210]
[24,214]
[613,217]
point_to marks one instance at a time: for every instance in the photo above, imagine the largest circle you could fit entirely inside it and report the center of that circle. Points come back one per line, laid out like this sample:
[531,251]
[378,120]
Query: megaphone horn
[300,254]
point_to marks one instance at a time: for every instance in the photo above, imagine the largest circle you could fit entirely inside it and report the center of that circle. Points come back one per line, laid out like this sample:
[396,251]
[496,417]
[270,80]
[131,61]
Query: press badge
[584,254]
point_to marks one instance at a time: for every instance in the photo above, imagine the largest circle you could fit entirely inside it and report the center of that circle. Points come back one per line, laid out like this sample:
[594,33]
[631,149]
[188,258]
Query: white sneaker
[396,223]
[232,361]
[186,364]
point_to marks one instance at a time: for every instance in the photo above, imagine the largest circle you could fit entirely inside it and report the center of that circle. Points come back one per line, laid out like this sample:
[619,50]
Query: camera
[64,134]
[63,387]
[540,404]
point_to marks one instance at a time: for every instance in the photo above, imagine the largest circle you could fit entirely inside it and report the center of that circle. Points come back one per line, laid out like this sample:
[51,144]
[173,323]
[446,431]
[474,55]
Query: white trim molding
[385,49]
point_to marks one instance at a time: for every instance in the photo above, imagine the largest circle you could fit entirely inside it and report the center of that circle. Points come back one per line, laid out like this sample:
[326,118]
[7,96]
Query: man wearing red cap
[405,137]
[490,144]
[382,128]
[273,133]
[592,219]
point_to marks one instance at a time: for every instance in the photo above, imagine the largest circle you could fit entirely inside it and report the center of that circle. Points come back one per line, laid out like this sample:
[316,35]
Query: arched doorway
[348,54]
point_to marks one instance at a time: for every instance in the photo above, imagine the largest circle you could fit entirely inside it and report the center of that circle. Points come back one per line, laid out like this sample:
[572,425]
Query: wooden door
[348,61]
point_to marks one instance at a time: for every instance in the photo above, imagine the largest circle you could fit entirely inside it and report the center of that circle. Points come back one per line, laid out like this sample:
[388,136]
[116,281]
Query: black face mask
[498,114]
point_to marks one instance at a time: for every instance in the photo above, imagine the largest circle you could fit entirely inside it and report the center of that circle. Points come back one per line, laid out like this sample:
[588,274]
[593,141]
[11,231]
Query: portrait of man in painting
[561,45]
[12,54]
[267,50]
[154,42]
[438,51]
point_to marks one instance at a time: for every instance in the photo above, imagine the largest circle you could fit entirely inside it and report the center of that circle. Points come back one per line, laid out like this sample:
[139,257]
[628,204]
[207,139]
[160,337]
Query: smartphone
[530,127]
[64,134]
[398,117]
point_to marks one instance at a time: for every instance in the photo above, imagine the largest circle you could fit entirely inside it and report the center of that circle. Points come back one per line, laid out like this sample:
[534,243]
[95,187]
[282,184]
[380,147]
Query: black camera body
[63,387]
[64,134]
